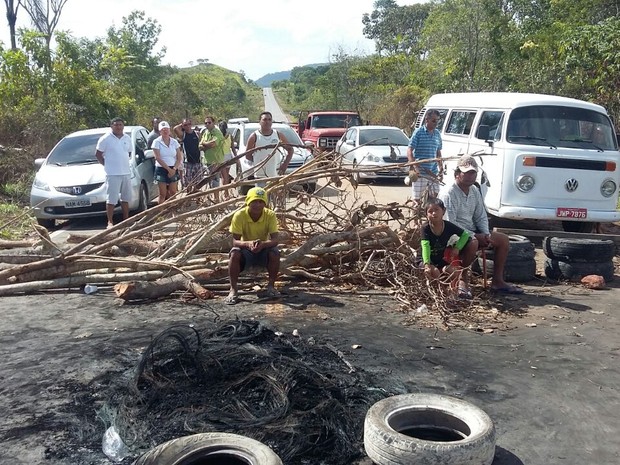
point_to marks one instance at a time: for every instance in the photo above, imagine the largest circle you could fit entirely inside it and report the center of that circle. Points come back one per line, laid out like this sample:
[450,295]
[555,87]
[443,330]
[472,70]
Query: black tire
[217,447]
[46,223]
[356,176]
[556,269]
[518,271]
[143,200]
[309,187]
[578,250]
[578,226]
[521,248]
[395,431]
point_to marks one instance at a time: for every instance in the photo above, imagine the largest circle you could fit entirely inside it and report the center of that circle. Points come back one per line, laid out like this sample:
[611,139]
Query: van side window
[422,115]
[460,122]
[494,120]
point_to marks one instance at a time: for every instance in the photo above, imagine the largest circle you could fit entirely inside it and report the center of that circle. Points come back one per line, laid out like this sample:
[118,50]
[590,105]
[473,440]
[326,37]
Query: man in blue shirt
[425,144]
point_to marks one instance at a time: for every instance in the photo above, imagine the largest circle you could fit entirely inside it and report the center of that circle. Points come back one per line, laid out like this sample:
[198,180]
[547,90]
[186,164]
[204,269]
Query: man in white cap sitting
[465,208]
[255,242]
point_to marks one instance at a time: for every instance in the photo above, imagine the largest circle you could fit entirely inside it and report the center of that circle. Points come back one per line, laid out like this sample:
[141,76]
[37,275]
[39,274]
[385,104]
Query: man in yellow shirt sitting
[255,242]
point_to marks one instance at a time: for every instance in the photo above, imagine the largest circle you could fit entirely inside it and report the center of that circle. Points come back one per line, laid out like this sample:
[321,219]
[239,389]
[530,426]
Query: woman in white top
[168,160]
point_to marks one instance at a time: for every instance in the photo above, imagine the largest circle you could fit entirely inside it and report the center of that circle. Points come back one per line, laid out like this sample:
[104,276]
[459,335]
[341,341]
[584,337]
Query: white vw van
[541,156]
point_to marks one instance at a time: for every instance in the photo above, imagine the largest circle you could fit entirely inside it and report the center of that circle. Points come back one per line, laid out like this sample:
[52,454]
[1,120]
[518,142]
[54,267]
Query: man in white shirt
[113,152]
[264,137]
[465,208]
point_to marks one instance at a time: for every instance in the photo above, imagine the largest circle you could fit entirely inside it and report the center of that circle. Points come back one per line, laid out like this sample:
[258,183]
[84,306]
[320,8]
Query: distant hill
[267,79]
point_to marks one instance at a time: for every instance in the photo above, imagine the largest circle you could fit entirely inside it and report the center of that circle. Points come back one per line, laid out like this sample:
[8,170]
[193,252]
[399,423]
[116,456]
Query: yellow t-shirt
[251,230]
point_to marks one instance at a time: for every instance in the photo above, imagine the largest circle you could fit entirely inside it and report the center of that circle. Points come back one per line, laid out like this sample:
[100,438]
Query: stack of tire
[573,259]
[520,264]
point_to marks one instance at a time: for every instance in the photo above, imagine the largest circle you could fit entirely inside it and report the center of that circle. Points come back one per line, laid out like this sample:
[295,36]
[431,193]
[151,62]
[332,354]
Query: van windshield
[560,126]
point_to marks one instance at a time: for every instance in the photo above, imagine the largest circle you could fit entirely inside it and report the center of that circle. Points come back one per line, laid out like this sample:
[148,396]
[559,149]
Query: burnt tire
[518,271]
[396,431]
[578,250]
[557,269]
[210,448]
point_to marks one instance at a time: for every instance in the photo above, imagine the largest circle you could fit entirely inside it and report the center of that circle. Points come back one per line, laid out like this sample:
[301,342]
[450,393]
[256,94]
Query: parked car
[380,147]
[70,182]
[301,155]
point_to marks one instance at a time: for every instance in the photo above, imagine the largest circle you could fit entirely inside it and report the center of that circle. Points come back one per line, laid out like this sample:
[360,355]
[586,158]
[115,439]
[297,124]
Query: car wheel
[356,175]
[143,202]
[556,269]
[309,187]
[214,448]
[578,226]
[428,429]
[578,250]
[46,223]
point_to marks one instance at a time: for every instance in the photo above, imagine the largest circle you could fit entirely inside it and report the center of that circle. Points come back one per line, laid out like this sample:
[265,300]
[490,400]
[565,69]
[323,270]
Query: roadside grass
[16,220]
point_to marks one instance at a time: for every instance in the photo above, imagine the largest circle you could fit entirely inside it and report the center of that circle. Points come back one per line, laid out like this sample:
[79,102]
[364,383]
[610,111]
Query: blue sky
[255,36]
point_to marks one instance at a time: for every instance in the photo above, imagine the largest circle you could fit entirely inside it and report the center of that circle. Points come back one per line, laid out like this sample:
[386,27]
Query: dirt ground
[545,369]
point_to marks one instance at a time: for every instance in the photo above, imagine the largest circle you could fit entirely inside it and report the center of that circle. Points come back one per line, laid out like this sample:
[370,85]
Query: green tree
[396,29]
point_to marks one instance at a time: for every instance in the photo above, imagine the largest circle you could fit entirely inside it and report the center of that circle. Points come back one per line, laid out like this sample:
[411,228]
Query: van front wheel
[578,226]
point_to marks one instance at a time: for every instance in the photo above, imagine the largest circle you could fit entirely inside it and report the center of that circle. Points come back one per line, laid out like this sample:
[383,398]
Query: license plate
[571,213]
[77,203]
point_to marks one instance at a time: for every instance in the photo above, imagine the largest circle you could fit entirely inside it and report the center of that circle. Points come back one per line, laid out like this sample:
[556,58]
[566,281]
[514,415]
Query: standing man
[212,143]
[154,134]
[113,151]
[465,208]
[255,242]
[267,136]
[190,141]
[425,144]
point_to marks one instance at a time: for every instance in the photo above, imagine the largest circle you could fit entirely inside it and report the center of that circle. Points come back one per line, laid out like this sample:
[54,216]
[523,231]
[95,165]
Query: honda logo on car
[77,190]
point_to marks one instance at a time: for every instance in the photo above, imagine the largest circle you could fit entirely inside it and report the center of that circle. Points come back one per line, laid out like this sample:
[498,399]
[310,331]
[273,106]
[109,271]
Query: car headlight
[39,184]
[373,158]
[608,188]
[322,142]
[525,183]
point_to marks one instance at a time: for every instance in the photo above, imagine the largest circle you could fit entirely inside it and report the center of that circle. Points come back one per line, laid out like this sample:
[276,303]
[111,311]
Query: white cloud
[258,37]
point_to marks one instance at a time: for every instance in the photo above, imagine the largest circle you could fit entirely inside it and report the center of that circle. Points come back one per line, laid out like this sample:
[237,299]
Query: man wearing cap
[465,208]
[255,242]
[425,144]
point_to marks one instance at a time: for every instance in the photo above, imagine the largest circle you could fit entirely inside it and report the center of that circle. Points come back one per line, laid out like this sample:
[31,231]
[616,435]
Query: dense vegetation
[563,47]
[560,47]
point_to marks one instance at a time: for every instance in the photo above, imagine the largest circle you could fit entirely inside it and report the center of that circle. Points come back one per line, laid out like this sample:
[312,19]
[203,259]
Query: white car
[71,183]
[379,147]
[301,155]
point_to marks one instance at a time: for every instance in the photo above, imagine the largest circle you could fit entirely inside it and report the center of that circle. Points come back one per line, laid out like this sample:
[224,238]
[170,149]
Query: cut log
[146,290]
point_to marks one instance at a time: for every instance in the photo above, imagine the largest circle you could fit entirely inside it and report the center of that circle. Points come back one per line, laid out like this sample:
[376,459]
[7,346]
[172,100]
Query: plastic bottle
[90,289]
[113,446]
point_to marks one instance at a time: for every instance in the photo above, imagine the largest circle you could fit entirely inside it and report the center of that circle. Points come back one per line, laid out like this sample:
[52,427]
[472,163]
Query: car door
[347,144]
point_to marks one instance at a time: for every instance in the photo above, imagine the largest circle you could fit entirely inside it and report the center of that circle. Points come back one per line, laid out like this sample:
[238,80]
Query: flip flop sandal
[465,294]
[231,299]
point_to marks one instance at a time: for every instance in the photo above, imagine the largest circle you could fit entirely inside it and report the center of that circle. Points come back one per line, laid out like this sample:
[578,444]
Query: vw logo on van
[571,185]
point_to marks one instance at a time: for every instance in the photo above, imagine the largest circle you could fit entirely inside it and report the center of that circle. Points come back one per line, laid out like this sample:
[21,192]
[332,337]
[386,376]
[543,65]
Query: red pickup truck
[324,128]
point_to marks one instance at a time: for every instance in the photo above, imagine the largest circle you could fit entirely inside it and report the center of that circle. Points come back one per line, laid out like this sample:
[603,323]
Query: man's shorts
[161,176]
[193,173]
[250,259]
[118,188]
[424,185]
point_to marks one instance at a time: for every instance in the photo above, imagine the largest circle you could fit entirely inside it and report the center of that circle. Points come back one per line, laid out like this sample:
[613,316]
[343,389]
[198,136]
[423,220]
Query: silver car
[70,182]
[379,147]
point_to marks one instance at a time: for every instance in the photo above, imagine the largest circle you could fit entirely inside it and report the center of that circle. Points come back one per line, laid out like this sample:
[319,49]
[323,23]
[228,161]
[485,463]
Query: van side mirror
[483,132]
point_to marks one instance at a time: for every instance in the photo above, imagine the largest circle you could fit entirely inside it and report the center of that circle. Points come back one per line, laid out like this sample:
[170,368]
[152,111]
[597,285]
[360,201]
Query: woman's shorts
[161,176]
